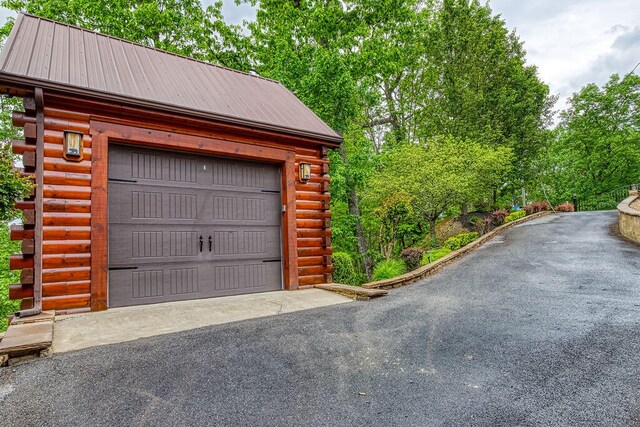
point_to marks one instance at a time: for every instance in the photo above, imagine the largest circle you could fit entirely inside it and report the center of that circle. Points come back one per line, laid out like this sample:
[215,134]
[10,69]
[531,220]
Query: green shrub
[344,270]
[514,216]
[388,269]
[435,255]
[474,219]
[456,242]
[7,277]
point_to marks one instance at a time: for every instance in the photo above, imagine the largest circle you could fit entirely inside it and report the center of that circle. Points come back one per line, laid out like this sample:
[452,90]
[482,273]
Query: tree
[310,46]
[597,145]
[483,89]
[438,175]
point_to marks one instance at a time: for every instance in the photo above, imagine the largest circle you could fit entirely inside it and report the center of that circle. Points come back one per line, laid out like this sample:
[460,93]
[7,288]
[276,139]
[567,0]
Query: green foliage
[484,91]
[345,270]
[437,175]
[7,277]
[475,219]
[393,213]
[435,255]
[12,185]
[456,242]
[596,147]
[388,269]
[514,216]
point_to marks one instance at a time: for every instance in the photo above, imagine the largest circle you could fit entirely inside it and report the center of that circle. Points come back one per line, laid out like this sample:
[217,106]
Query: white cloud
[575,42]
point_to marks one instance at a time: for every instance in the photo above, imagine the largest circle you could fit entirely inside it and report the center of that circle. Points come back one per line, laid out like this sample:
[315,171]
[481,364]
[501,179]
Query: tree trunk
[354,209]
[432,229]
[464,209]
[363,245]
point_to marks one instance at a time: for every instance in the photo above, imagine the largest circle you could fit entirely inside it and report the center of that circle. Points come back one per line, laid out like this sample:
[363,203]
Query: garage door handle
[122,180]
[210,243]
[200,243]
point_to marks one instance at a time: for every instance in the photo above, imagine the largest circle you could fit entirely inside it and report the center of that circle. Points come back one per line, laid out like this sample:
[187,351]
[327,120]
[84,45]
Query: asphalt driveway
[541,326]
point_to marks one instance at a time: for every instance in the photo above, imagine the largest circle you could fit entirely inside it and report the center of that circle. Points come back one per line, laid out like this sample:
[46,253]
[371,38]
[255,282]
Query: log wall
[66,199]
[66,215]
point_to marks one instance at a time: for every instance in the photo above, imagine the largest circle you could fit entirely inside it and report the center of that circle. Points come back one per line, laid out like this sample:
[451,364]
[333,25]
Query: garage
[159,178]
[184,226]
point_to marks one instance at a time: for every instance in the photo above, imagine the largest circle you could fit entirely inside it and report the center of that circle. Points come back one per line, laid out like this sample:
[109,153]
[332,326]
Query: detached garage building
[159,177]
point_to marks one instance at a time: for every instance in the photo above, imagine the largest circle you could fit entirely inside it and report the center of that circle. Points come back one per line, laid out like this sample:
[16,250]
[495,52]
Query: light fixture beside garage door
[305,172]
[73,145]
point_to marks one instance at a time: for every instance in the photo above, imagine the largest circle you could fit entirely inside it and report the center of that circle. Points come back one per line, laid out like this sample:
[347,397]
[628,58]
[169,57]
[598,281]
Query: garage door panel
[175,169]
[138,203]
[170,243]
[183,226]
[160,283]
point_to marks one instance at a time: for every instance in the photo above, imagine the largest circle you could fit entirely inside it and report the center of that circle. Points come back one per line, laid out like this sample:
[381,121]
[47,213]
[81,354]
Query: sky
[572,42]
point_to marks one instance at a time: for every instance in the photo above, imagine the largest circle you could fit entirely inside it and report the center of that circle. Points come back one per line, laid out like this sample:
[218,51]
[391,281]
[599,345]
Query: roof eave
[78,91]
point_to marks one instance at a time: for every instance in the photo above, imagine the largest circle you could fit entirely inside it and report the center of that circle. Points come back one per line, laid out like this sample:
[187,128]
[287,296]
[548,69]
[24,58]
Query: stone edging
[429,269]
[354,292]
[625,206]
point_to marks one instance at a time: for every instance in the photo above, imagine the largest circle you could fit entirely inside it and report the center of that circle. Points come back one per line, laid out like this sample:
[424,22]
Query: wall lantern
[73,145]
[305,172]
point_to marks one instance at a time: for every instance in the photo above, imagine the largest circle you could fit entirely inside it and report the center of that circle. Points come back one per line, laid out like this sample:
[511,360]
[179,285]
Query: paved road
[539,327]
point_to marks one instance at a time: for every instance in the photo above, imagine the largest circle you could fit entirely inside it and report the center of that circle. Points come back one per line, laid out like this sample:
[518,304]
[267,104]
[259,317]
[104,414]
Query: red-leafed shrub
[498,216]
[565,207]
[412,257]
[535,207]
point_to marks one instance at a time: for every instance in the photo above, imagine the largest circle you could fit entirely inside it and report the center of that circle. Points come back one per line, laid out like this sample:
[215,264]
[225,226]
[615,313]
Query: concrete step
[355,292]
[25,339]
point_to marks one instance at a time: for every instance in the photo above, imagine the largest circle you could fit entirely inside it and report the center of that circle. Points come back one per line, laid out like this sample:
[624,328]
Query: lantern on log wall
[73,145]
[305,171]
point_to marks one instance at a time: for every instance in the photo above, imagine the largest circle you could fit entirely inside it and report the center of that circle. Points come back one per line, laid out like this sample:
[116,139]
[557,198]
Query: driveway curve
[540,326]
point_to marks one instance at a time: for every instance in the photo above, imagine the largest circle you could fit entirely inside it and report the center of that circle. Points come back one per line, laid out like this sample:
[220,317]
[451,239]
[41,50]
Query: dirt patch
[461,224]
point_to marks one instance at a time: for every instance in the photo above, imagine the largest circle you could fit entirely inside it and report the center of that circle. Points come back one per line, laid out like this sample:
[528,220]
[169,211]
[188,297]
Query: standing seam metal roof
[59,56]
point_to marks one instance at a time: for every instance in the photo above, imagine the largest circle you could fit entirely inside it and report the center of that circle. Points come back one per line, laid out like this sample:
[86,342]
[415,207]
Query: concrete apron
[74,332]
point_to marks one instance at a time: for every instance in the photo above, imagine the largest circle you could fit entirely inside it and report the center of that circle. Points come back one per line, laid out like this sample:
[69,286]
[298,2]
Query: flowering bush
[498,216]
[537,207]
[565,207]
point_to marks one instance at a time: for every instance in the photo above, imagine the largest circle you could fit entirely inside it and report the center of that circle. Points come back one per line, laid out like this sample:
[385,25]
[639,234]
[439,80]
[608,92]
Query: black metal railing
[605,201]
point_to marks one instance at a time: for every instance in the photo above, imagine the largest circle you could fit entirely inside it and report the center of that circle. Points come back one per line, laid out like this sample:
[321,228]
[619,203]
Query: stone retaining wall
[629,213]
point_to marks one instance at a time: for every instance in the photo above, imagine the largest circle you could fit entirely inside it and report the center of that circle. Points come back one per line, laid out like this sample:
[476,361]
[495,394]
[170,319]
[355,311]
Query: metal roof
[58,56]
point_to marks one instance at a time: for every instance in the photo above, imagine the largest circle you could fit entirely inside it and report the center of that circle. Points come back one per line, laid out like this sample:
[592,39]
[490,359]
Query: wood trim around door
[104,132]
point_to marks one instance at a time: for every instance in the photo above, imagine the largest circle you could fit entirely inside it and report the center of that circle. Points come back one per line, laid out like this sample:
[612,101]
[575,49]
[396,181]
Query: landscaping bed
[435,265]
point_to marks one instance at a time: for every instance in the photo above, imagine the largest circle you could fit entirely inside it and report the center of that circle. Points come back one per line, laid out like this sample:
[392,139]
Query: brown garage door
[184,226]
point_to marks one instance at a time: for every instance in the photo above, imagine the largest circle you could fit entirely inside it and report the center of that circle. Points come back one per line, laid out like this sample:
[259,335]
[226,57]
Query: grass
[388,269]
[435,255]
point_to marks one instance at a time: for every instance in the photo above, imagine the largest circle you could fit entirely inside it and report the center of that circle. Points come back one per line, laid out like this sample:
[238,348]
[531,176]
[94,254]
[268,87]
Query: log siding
[73,214]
